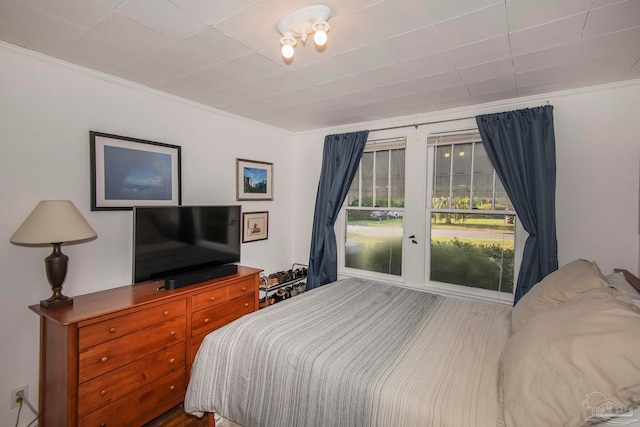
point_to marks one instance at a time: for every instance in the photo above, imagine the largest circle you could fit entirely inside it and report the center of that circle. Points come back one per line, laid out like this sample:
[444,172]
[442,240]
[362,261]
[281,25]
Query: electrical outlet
[14,395]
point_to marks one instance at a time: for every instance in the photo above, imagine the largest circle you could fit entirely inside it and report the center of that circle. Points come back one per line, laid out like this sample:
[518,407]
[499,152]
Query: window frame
[373,146]
[434,140]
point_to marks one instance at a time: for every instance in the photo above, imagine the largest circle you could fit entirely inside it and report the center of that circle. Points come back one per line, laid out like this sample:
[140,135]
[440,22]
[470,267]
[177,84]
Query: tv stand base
[185,279]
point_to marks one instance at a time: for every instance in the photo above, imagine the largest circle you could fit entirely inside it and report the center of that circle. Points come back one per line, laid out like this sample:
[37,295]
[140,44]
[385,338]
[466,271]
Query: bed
[364,353]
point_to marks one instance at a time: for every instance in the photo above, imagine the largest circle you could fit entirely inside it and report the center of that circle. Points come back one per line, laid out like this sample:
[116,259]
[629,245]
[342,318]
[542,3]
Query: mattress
[355,353]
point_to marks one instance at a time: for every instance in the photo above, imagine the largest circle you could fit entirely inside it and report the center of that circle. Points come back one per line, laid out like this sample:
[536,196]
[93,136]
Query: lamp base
[56,267]
[56,301]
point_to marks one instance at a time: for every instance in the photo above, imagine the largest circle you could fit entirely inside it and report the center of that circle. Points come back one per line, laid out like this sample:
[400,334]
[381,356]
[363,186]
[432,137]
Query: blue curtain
[340,162]
[521,147]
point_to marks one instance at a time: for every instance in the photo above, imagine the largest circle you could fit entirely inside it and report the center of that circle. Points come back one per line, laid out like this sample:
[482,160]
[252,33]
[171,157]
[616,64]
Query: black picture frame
[255,226]
[128,172]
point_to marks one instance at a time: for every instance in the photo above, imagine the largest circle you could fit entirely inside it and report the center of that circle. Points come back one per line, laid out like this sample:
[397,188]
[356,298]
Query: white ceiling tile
[492,85]
[189,58]
[38,22]
[525,14]
[478,53]
[586,48]
[495,96]
[412,45]
[150,71]
[548,35]
[239,70]
[621,63]
[111,52]
[617,16]
[216,45]
[79,12]
[258,35]
[186,86]
[110,4]
[119,27]
[344,85]
[478,73]
[397,20]
[434,11]
[407,70]
[212,12]
[324,71]
[162,16]
[20,37]
[483,24]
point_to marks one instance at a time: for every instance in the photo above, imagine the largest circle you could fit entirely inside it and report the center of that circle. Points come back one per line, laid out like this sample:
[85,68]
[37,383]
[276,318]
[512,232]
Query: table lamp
[54,222]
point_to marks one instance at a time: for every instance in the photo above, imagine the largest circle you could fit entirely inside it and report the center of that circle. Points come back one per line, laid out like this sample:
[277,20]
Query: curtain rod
[430,123]
[422,124]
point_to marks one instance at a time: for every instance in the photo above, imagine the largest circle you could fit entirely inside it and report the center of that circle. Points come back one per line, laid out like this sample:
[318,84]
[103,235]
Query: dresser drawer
[108,388]
[145,400]
[208,299]
[244,287]
[113,354]
[116,327]
[214,317]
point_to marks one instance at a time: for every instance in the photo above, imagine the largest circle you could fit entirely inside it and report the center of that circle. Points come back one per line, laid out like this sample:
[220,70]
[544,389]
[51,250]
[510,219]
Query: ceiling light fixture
[302,22]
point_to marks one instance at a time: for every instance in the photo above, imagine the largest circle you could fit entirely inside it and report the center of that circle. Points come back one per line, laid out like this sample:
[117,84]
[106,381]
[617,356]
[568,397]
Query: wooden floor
[177,418]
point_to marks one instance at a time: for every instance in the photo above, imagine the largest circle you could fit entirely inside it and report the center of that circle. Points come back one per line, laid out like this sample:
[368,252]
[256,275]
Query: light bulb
[320,37]
[287,51]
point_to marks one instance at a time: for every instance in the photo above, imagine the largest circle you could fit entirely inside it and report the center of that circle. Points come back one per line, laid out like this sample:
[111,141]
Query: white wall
[47,109]
[597,149]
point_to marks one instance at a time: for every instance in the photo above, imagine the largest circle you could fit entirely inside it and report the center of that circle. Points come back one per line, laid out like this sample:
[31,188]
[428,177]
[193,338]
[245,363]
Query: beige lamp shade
[53,221]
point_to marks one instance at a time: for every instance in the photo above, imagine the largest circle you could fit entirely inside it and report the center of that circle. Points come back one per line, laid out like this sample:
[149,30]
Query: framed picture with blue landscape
[128,172]
[254,180]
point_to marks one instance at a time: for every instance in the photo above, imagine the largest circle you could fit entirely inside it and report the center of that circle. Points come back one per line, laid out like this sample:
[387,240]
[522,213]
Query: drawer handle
[172,360]
[172,388]
[103,424]
[246,304]
[212,298]
[103,393]
[206,320]
[172,333]
[112,330]
[244,288]
[104,359]
[166,313]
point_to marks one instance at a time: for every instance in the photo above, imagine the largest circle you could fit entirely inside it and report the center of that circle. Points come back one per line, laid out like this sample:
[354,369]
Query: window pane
[442,177]
[397,178]
[461,179]
[366,164]
[382,179]
[482,179]
[353,194]
[374,241]
[473,250]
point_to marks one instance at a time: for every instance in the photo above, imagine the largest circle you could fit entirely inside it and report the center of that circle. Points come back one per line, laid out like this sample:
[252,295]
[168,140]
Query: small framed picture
[255,226]
[254,180]
[128,172]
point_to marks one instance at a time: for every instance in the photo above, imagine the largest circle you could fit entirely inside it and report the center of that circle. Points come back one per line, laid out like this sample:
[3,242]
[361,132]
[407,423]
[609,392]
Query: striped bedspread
[355,353]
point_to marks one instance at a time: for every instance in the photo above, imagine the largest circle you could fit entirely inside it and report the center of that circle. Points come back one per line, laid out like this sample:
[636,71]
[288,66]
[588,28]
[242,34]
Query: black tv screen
[172,240]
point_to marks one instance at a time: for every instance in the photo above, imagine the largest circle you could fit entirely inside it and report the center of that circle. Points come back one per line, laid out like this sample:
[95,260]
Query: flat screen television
[185,243]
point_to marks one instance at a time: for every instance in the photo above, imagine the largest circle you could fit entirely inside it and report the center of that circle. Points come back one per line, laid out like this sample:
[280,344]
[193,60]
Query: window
[471,219]
[374,210]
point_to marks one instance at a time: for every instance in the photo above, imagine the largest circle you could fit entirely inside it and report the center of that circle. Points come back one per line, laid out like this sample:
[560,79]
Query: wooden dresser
[122,356]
